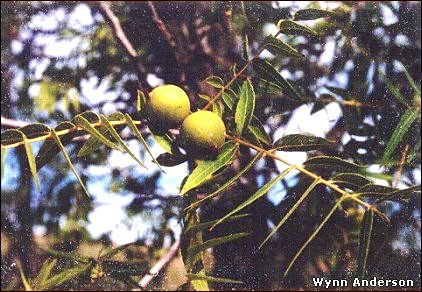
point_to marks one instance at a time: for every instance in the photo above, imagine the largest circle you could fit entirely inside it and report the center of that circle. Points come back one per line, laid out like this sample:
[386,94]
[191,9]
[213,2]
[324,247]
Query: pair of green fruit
[168,106]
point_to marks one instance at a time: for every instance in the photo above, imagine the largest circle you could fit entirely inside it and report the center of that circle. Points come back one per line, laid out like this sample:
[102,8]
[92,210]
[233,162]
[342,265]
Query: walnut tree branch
[124,41]
[9,123]
[160,265]
[161,25]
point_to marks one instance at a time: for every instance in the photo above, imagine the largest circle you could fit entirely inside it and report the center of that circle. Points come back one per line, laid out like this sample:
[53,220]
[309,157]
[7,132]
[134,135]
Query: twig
[63,132]
[401,164]
[161,25]
[328,183]
[159,197]
[160,265]
[118,31]
[180,60]
[124,41]
[237,75]
[9,123]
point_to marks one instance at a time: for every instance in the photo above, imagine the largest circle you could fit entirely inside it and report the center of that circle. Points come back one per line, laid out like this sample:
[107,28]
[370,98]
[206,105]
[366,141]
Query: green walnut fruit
[202,132]
[167,106]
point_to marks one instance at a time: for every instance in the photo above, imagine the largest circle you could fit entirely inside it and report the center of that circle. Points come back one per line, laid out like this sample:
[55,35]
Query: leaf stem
[64,132]
[328,183]
[235,77]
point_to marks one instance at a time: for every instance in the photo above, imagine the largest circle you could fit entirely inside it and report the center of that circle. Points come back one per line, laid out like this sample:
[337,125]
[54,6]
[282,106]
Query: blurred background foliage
[49,57]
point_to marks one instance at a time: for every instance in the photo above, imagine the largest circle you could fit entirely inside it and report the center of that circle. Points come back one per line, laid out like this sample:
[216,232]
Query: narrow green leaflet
[312,13]
[44,273]
[218,108]
[332,163]
[206,168]
[245,40]
[405,122]
[67,255]
[383,176]
[402,195]
[112,252]
[169,160]
[394,91]
[24,279]
[278,47]
[268,88]
[411,81]
[352,181]
[228,183]
[298,142]
[141,139]
[245,107]
[341,92]
[194,250]
[193,264]
[376,191]
[229,98]
[204,97]
[365,242]
[10,136]
[3,154]
[258,194]
[257,129]
[86,125]
[35,130]
[49,149]
[415,151]
[13,136]
[293,28]
[290,212]
[318,105]
[192,277]
[314,234]
[65,276]
[89,116]
[69,162]
[206,225]
[165,142]
[116,136]
[124,268]
[31,162]
[140,101]
[251,138]
[266,71]
[215,81]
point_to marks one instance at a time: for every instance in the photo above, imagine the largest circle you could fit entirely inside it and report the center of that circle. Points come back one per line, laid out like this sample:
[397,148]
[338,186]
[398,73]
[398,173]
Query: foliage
[254,99]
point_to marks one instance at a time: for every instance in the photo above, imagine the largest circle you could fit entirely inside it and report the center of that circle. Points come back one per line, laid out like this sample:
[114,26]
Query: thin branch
[329,184]
[159,197]
[161,25]
[235,77]
[9,123]
[124,41]
[155,270]
[236,139]
[401,164]
[15,124]
[118,31]
[63,132]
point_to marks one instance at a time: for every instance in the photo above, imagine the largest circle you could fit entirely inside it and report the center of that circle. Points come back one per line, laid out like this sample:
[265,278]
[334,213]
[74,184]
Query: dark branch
[161,25]
[124,41]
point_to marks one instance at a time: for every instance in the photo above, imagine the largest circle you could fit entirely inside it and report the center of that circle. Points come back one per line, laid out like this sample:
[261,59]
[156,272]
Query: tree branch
[160,265]
[9,123]
[161,25]
[14,124]
[124,41]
